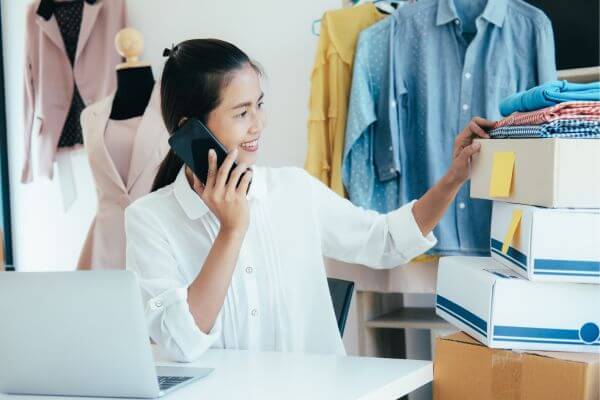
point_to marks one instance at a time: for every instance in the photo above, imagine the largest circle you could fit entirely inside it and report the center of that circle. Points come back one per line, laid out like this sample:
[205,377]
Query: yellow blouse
[330,88]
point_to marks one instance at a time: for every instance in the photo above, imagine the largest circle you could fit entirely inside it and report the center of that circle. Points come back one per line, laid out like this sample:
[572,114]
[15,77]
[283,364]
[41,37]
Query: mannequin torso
[134,87]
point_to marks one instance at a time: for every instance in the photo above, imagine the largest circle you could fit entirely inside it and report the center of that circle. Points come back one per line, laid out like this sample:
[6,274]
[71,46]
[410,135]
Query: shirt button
[468,75]
[392,170]
[158,303]
[465,107]
[254,312]
[393,104]
[461,205]
[457,22]
[390,148]
[249,270]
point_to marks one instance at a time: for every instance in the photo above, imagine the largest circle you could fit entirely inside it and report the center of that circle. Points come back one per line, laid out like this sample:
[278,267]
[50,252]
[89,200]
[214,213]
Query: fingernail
[211,152]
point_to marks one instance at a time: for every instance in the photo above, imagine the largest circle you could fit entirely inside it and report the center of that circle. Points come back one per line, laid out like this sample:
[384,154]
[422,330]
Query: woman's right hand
[223,198]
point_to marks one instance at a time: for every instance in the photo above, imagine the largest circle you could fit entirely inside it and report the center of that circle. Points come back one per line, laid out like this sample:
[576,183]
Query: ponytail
[168,170]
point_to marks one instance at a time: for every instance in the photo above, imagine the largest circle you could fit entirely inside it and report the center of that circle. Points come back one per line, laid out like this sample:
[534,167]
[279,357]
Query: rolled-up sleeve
[356,235]
[164,290]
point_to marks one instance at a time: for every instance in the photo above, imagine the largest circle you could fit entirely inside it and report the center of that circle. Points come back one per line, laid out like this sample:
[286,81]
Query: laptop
[80,334]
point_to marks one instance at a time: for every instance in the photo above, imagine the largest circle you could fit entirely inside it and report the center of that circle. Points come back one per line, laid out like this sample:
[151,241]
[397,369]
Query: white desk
[251,375]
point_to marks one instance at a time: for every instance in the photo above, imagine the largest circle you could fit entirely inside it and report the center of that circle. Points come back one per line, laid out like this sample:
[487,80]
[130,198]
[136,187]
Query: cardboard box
[504,310]
[464,369]
[547,172]
[561,245]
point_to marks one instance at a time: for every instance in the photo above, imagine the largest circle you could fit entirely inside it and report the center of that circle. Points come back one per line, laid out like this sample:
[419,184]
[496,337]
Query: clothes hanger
[386,6]
[130,43]
[392,5]
[315,24]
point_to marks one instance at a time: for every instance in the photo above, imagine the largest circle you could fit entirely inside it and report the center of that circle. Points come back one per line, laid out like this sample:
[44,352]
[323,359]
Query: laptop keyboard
[167,382]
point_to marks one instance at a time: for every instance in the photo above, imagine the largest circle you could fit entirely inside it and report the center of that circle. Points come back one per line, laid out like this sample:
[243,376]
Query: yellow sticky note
[512,230]
[502,173]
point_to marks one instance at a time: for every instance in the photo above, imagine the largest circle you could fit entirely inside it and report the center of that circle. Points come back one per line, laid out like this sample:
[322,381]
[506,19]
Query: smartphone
[192,141]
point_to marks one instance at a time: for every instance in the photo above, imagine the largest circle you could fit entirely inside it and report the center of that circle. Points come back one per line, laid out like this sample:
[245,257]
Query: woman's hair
[192,80]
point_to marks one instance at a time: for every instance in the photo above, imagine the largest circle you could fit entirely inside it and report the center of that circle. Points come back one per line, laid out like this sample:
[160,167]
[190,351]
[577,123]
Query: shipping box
[502,309]
[547,244]
[544,172]
[465,369]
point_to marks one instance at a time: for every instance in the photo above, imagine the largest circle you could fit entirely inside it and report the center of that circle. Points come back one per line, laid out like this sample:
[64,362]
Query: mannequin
[134,78]
[126,140]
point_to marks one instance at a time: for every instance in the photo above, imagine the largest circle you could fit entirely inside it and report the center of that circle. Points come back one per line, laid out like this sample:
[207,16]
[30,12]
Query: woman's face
[239,119]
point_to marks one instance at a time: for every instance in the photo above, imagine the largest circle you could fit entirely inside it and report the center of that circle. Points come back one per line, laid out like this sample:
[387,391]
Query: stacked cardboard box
[465,369]
[540,290]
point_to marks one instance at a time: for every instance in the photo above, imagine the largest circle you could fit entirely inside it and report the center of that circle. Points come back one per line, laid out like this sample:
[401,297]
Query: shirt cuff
[174,329]
[406,234]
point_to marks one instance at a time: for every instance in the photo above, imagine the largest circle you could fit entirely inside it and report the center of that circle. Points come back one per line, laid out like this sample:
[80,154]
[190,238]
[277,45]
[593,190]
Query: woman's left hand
[464,148]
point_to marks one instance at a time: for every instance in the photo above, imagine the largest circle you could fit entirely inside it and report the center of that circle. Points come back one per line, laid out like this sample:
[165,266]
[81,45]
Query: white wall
[275,33]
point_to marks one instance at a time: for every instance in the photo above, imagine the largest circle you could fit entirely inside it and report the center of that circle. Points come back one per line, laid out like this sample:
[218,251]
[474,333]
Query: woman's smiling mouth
[250,146]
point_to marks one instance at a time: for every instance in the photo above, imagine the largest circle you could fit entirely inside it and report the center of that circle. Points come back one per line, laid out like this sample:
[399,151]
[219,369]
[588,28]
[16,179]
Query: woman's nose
[257,123]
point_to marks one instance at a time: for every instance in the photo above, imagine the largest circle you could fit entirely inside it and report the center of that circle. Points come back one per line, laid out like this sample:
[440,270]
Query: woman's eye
[262,103]
[242,115]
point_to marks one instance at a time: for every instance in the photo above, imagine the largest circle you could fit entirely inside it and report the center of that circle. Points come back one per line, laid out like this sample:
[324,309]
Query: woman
[219,268]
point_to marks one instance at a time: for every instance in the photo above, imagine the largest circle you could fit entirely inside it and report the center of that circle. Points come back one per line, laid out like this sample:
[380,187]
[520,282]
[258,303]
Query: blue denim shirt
[446,67]
[365,121]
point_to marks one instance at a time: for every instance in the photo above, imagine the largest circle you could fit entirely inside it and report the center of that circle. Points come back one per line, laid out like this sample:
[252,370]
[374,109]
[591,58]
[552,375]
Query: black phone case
[192,141]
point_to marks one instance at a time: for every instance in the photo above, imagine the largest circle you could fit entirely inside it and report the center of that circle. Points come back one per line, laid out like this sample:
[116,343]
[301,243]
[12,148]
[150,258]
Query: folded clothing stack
[561,128]
[550,94]
[557,109]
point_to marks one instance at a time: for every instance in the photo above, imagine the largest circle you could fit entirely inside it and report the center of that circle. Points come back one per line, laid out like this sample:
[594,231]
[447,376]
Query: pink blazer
[104,247]
[49,76]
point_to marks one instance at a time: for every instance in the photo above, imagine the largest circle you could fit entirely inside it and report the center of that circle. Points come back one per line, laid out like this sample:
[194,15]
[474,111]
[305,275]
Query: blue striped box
[504,310]
[560,245]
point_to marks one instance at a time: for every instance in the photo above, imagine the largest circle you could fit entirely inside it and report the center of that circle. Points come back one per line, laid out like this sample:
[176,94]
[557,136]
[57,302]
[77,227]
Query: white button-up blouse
[278,298]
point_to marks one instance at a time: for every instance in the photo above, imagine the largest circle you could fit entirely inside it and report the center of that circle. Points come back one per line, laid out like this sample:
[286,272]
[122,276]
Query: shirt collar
[194,207]
[494,12]
[46,8]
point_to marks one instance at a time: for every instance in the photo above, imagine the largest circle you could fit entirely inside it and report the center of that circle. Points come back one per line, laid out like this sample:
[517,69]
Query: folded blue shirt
[562,128]
[549,94]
